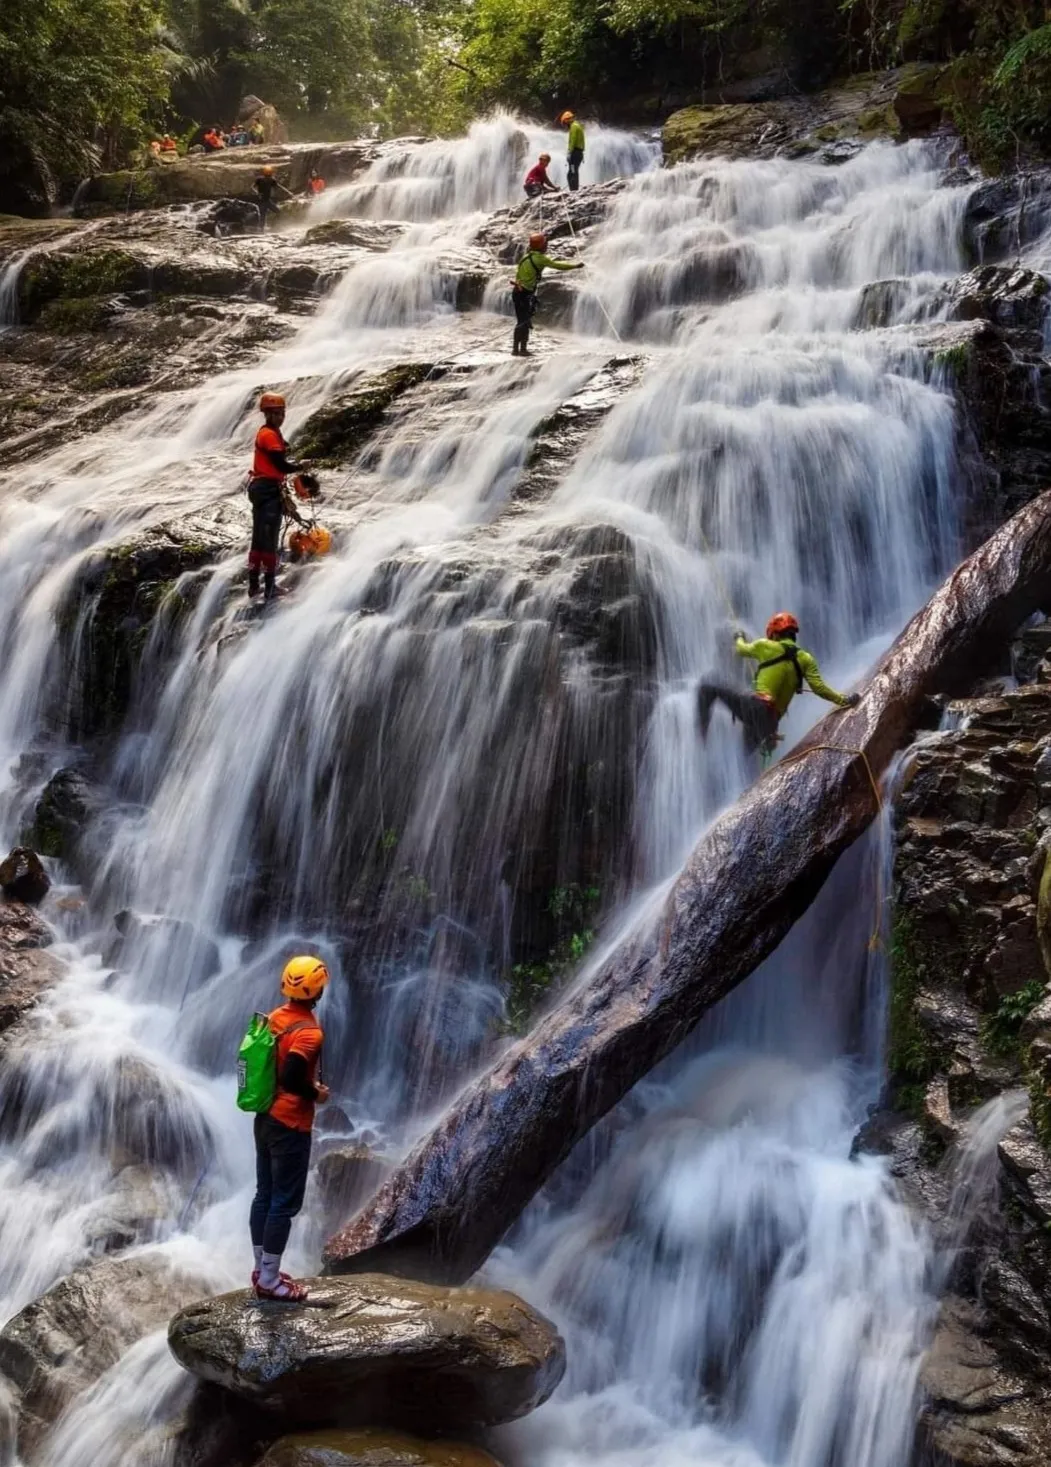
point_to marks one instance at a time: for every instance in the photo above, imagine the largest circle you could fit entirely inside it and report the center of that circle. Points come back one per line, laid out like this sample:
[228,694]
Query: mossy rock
[130,585]
[129,188]
[344,425]
[879,122]
[76,276]
[371,1446]
[75,316]
[921,101]
[726,130]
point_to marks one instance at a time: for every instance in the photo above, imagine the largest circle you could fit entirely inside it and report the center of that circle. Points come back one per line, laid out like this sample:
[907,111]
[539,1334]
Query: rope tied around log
[875,942]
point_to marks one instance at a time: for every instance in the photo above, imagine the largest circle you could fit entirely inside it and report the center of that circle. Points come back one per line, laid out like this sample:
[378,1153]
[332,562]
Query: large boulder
[64,1341]
[68,807]
[347,1174]
[344,424]
[379,1351]
[371,1447]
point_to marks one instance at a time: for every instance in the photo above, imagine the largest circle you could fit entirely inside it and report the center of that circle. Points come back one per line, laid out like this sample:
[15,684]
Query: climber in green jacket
[783,669]
[526,283]
[575,153]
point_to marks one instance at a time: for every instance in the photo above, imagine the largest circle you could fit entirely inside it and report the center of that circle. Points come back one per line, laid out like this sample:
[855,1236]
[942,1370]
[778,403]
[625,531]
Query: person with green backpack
[278,1080]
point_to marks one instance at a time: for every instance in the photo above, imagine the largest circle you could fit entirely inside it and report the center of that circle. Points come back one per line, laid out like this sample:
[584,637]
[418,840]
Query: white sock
[269,1270]
[258,1254]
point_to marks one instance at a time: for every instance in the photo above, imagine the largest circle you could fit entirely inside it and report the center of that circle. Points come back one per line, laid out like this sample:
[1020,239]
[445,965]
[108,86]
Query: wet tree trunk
[750,877]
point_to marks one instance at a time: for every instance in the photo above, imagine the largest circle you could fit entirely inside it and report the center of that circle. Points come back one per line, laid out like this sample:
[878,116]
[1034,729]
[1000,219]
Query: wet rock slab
[377,1350]
[64,1341]
[371,1447]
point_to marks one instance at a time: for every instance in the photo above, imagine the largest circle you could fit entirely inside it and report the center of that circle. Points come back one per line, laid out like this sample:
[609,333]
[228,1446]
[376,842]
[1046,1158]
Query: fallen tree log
[752,874]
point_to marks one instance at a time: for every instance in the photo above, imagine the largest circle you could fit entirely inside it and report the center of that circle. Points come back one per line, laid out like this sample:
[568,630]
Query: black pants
[757,717]
[266,206]
[533,190]
[524,302]
[282,1161]
[573,162]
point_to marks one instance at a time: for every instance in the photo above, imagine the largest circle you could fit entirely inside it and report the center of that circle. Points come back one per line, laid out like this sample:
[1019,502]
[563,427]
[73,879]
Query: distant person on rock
[283,1133]
[315,183]
[266,186]
[266,490]
[575,154]
[213,140]
[257,133]
[168,144]
[537,181]
[783,669]
[526,284]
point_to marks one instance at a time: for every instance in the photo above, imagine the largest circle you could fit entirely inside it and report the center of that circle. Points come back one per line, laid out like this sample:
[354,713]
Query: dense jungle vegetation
[83,83]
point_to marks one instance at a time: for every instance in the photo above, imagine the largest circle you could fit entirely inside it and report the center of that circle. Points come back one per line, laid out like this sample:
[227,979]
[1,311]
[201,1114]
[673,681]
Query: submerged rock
[377,1350]
[346,1175]
[64,1341]
[371,1447]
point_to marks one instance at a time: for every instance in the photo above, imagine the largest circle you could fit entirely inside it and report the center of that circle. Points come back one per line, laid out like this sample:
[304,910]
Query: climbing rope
[598,298]
[875,942]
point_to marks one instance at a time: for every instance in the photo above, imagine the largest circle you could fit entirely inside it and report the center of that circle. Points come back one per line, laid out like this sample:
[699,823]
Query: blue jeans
[282,1161]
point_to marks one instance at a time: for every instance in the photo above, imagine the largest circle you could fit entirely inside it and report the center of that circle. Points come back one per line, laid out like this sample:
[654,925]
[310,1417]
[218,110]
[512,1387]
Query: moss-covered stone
[76,276]
[130,584]
[340,429]
[912,1057]
[710,132]
[921,100]
[71,317]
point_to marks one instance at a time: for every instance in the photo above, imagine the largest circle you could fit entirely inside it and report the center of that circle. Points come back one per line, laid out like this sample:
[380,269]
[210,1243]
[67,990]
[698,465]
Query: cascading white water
[424,692]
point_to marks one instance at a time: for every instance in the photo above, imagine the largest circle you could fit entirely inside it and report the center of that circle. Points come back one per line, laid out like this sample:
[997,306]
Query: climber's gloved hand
[853,699]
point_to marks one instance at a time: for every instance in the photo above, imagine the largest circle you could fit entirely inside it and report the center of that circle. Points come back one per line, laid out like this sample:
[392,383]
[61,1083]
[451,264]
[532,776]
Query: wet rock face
[376,1350]
[64,1341]
[969,1025]
[1001,380]
[370,1447]
[23,878]
[27,970]
[340,429]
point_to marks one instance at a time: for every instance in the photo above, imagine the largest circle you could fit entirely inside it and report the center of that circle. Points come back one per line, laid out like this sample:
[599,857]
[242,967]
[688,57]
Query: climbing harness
[790,654]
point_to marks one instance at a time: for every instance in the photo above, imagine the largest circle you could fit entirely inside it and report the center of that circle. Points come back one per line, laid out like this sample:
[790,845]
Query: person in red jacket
[537,181]
[270,467]
[283,1133]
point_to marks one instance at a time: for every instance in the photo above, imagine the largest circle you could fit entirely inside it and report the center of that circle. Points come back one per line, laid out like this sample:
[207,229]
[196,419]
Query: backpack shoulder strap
[295,1029]
[790,654]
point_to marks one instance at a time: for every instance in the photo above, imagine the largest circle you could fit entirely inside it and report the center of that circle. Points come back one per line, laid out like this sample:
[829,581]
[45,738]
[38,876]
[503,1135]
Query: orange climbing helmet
[566,117]
[783,624]
[315,540]
[271,402]
[304,979]
[538,241]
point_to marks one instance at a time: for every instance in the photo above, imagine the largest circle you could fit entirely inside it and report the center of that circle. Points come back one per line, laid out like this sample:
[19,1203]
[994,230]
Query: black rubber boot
[253,582]
[269,586]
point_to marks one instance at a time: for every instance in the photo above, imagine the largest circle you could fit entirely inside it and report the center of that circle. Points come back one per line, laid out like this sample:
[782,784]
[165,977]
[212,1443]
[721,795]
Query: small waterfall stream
[735,1289]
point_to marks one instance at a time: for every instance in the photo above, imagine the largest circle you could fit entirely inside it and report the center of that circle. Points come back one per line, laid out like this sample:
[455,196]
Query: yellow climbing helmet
[304,978]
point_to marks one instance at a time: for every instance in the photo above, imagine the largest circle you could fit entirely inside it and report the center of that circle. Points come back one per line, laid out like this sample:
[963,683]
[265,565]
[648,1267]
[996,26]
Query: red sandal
[285,1291]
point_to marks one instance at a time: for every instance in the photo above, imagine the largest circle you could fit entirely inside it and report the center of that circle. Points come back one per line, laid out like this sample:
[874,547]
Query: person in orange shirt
[315,183]
[283,1133]
[270,467]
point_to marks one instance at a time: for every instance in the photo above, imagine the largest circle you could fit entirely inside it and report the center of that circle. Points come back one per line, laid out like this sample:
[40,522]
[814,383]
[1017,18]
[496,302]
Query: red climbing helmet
[783,624]
[538,241]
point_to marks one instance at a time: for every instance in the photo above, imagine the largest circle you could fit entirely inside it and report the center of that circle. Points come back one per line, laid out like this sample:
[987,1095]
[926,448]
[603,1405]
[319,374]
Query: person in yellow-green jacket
[782,671]
[575,145]
[526,283]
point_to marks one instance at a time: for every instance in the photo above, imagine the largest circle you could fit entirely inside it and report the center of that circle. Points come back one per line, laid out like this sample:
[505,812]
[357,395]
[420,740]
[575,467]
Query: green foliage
[1002,1028]
[911,1058]
[529,984]
[81,80]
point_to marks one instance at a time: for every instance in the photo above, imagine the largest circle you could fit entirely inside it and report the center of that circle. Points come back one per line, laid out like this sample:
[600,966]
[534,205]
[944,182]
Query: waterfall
[487,689]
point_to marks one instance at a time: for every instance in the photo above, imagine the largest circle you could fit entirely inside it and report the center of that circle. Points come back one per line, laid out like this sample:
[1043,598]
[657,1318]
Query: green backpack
[257,1066]
[257,1085]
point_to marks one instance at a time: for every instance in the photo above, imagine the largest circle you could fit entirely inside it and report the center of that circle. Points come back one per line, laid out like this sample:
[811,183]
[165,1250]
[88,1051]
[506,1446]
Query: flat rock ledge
[374,1350]
[371,1447]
